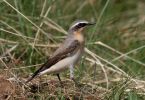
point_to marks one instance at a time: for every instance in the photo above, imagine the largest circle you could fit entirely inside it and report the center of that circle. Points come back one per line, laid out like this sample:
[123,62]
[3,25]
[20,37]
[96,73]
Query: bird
[67,54]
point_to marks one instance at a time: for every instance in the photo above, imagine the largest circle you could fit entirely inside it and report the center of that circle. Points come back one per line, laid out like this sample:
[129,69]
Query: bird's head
[78,26]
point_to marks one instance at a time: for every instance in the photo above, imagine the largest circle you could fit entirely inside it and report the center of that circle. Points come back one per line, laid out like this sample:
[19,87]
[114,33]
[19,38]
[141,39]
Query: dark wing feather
[74,46]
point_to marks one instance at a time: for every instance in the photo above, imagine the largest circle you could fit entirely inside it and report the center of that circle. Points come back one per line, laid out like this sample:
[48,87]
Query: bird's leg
[59,79]
[72,74]
[71,67]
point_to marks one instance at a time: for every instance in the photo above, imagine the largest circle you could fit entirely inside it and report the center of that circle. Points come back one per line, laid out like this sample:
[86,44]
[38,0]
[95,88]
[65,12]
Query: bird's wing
[68,51]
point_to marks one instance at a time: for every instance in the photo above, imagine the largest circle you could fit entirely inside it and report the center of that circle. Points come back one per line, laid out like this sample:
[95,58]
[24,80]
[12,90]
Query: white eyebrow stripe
[78,23]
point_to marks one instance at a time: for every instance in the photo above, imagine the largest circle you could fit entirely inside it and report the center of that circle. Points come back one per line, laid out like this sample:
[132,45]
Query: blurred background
[113,63]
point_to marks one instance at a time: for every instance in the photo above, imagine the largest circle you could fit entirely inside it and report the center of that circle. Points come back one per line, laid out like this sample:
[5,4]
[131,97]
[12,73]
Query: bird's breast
[77,56]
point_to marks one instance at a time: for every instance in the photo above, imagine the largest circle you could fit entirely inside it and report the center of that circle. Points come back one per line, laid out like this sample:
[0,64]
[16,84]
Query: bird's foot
[61,84]
[76,82]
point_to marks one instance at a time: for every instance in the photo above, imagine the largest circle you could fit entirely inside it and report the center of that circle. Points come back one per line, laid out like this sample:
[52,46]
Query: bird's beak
[91,23]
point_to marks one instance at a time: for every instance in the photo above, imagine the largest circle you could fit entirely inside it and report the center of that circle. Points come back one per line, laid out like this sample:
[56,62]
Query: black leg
[59,79]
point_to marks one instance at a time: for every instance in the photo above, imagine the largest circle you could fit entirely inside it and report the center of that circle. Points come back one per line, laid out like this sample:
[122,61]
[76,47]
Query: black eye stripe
[80,25]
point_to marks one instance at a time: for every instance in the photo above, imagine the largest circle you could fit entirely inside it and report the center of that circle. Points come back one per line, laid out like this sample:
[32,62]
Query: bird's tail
[33,76]
[37,72]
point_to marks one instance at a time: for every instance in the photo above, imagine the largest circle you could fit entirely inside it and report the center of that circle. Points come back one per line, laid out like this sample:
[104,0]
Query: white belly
[62,65]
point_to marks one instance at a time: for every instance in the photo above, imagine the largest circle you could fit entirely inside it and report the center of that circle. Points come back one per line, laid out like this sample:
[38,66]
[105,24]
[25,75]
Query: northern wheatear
[68,53]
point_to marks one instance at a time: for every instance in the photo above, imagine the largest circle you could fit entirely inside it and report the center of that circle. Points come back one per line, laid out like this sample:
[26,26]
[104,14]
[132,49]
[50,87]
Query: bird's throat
[78,35]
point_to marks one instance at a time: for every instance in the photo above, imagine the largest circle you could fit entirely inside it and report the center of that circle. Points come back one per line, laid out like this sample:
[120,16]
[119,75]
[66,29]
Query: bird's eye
[81,25]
